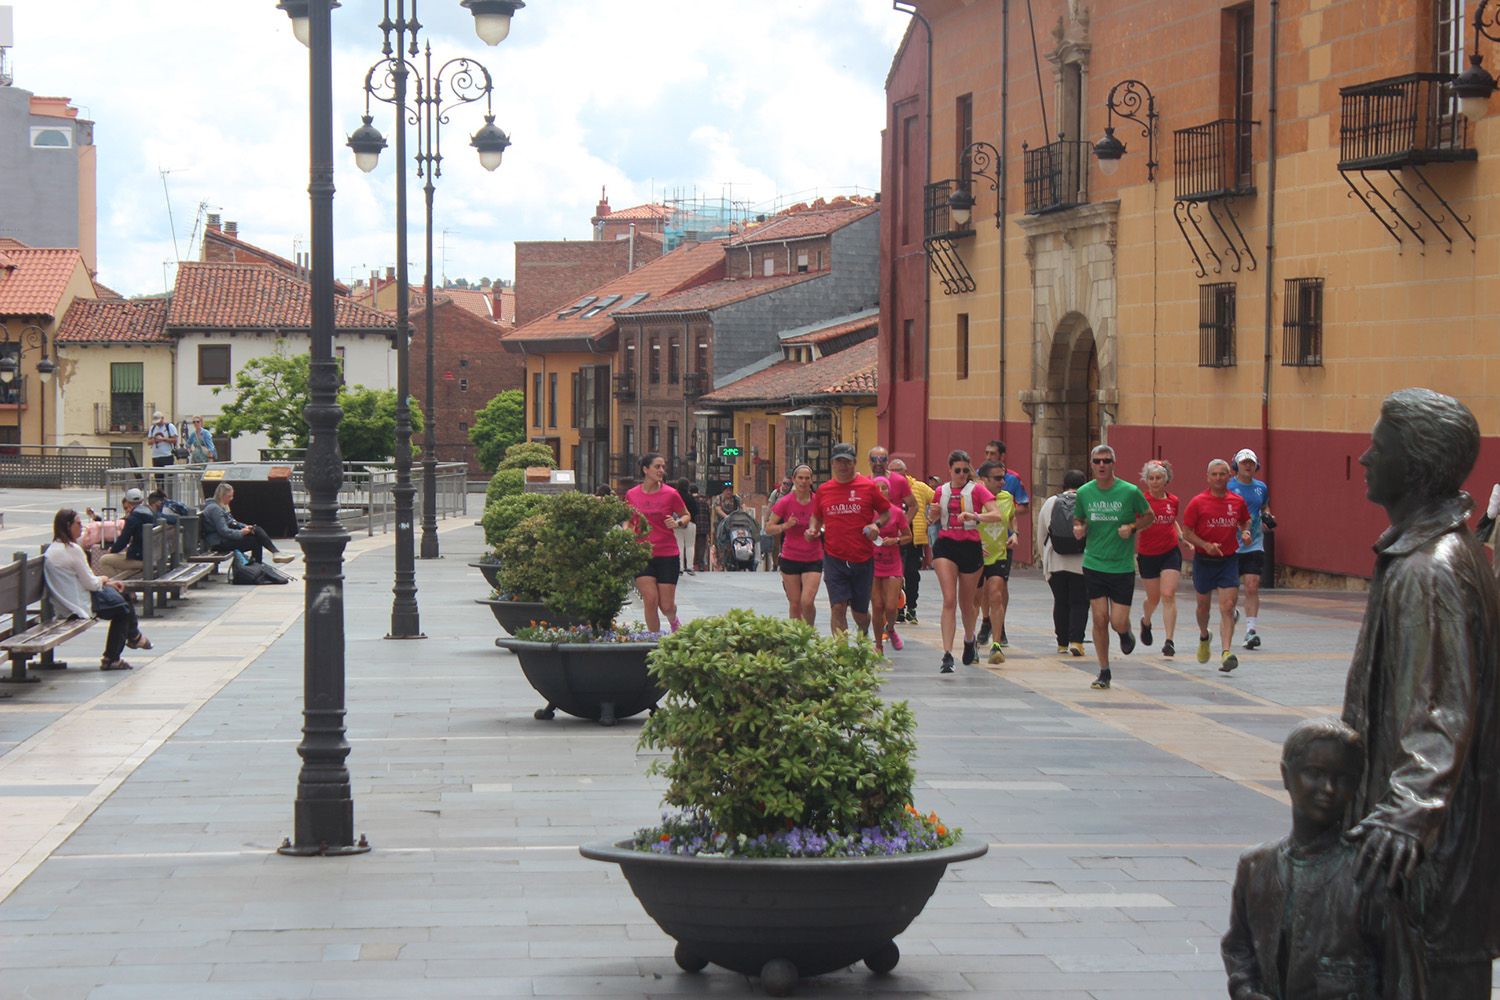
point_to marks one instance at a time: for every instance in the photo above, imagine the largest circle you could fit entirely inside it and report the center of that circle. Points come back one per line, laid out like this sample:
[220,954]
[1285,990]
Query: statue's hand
[1383,849]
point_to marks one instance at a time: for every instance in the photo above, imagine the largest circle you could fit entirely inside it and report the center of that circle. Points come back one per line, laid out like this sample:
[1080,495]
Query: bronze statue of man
[1422,693]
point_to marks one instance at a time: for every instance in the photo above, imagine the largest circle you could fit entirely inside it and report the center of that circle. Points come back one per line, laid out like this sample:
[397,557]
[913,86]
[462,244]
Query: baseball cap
[156,415]
[1243,454]
[843,451]
[134,495]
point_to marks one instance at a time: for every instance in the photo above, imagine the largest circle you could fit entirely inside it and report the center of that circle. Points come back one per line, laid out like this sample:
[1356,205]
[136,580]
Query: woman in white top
[81,594]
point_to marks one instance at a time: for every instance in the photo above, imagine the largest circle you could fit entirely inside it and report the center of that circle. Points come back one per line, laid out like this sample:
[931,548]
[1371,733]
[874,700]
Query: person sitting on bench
[165,509]
[222,533]
[124,555]
[81,594]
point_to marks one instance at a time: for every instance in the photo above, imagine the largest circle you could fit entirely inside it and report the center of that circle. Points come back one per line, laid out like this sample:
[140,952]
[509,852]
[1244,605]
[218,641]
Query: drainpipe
[1265,390]
[630,251]
[1004,183]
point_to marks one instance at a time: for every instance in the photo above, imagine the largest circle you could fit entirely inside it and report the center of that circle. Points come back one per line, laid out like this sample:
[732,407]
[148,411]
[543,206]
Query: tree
[367,433]
[499,425]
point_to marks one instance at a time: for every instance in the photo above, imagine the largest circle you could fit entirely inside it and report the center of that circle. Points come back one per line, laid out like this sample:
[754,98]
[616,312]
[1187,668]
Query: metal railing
[694,384]
[37,466]
[937,217]
[1213,160]
[13,393]
[1401,121]
[625,385]
[1057,176]
[109,422]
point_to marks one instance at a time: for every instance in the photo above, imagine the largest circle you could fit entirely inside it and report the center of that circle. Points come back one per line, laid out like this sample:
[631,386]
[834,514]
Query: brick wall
[470,369]
[553,273]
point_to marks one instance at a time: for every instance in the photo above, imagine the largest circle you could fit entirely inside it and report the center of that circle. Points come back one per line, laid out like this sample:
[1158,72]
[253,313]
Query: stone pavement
[139,812]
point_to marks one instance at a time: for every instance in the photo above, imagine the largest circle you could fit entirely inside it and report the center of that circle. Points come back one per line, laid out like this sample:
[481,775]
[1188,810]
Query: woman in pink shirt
[957,508]
[659,511]
[801,555]
[885,596]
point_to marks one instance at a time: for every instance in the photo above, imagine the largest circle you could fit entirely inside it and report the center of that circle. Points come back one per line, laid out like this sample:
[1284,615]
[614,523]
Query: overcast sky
[751,99]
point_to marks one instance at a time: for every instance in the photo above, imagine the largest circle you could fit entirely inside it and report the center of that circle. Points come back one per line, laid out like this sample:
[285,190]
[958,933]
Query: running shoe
[1167,649]
[1127,642]
[984,632]
[1102,681]
[1145,632]
[675,624]
[1205,648]
[1236,615]
[971,652]
[1252,639]
[1062,650]
[997,655]
[1076,648]
[911,616]
[947,667]
[1229,662]
[895,640]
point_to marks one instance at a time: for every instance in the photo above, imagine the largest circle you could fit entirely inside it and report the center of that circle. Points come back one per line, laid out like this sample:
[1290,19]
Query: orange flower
[665,837]
[942,831]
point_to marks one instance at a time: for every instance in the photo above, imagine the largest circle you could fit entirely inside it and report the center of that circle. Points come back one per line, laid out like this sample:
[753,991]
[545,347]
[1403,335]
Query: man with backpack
[1106,516]
[1062,564]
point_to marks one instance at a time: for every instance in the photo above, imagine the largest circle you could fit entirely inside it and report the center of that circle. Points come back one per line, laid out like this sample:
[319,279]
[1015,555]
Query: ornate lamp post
[981,157]
[1108,150]
[387,82]
[1475,84]
[31,338]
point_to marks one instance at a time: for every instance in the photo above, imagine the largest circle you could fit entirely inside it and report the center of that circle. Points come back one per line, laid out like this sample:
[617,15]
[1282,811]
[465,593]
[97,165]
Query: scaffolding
[695,217]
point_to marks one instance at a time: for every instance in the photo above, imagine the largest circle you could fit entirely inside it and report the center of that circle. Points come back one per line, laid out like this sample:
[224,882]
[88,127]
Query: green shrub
[574,556]
[771,726]
[528,453]
[501,517]
[505,483]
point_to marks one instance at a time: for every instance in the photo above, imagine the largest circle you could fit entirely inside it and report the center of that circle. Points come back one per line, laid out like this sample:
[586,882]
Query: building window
[1244,91]
[700,361]
[630,358]
[552,400]
[1448,36]
[673,450]
[536,400]
[768,266]
[51,137]
[463,385]
[802,262]
[577,397]
[906,326]
[655,361]
[674,361]
[1216,325]
[963,135]
[213,364]
[338,358]
[463,428]
[822,265]
[627,442]
[962,363]
[653,437]
[1302,323]
[127,395]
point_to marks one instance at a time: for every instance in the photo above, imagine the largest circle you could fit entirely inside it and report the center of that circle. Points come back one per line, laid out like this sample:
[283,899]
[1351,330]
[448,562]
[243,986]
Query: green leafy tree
[367,432]
[499,425]
[527,454]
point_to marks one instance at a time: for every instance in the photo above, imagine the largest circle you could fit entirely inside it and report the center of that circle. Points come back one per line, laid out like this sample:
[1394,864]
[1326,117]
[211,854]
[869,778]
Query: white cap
[1243,454]
[134,495]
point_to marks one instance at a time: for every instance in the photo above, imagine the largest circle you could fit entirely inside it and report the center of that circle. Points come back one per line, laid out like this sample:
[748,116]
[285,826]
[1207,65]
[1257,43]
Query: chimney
[390,273]
[602,209]
[232,230]
[213,221]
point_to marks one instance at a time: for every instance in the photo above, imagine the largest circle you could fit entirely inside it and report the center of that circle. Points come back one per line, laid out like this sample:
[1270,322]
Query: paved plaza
[140,812]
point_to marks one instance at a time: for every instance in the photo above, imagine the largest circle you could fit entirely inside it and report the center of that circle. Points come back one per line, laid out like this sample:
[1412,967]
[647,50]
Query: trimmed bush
[528,453]
[505,483]
[501,517]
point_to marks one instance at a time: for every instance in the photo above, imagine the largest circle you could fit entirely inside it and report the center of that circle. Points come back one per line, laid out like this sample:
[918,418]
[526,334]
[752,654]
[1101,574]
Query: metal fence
[38,466]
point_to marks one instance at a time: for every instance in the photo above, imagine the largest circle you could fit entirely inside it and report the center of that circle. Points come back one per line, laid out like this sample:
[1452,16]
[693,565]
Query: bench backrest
[23,586]
[10,592]
[153,551]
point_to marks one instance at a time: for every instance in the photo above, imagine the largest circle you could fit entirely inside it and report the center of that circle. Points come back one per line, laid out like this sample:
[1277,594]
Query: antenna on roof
[176,254]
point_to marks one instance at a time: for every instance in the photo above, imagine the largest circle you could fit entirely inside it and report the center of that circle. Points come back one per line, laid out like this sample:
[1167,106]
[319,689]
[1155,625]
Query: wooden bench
[190,531]
[165,574]
[34,630]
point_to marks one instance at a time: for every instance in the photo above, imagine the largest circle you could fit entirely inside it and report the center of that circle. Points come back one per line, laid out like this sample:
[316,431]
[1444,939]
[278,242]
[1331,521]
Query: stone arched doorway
[1071,422]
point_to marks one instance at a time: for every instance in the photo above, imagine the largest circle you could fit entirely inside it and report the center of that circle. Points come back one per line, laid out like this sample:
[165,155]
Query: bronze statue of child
[1303,926]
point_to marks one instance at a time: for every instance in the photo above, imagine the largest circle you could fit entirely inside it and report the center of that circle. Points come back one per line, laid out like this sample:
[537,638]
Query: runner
[1158,554]
[1215,523]
[659,512]
[849,510]
[886,596]
[958,557]
[801,560]
[916,555]
[1062,564]
[687,534]
[998,538]
[1107,515]
[995,452]
[1252,557]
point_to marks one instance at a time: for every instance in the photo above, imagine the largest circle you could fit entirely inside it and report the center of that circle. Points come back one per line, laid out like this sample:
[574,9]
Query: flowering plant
[631,632]
[693,835]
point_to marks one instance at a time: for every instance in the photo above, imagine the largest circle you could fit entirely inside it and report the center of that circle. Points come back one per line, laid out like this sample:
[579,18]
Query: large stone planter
[516,615]
[491,570]
[781,918]
[605,681]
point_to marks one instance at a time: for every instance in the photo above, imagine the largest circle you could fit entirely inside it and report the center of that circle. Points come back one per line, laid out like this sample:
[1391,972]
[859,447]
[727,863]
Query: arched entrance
[1070,423]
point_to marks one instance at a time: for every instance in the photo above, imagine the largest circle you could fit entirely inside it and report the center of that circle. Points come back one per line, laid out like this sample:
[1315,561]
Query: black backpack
[1060,527]
[254,574]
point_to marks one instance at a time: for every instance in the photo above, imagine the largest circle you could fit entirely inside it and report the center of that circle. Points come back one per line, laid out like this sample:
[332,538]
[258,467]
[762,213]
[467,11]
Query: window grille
[1302,327]
[1216,325]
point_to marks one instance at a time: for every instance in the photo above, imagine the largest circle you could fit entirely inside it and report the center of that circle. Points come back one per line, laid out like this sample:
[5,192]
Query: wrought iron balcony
[1400,122]
[1213,160]
[619,466]
[694,384]
[937,218]
[1057,176]
[625,385]
[115,419]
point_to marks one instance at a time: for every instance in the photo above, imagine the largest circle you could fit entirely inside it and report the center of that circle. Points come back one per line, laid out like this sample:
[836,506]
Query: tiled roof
[717,293]
[637,213]
[105,292]
[818,334]
[689,263]
[93,321]
[241,252]
[804,225]
[33,281]
[256,296]
[470,300]
[848,373]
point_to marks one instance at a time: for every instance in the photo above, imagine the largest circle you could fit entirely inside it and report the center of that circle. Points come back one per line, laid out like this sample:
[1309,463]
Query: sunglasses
[1103,461]
[964,469]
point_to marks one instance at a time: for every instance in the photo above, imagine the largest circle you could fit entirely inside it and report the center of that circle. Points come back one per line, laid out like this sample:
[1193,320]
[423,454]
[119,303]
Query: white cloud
[764,99]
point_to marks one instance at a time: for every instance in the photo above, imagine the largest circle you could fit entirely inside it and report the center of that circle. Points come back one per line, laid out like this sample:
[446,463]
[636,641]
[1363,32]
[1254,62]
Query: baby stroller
[738,541]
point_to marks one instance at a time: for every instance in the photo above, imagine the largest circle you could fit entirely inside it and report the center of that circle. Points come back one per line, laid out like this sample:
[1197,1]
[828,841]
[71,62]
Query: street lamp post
[387,82]
[31,338]
[1474,85]
[1126,99]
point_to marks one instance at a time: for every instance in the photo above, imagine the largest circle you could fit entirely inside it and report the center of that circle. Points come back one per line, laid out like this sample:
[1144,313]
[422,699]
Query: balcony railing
[109,420]
[1401,121]
[1057,176]
[625,385]
[937,218]
[694,384]
[1213,161]
[619,466]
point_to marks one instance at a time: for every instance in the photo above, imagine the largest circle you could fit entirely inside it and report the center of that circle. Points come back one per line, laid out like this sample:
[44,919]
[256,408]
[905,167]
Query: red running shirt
[846,509]
[888,552]
[1217,519]
[652,509]
[795,544]
[1161,537]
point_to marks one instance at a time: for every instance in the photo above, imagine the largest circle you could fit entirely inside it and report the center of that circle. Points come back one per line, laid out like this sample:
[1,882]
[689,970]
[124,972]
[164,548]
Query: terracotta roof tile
[839,327]
[637,213]
[682,268]
[803,225]
[256,296]
[471,300]
[32,284]
[248,253]
[718,293]
[92,321]
[847,373]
